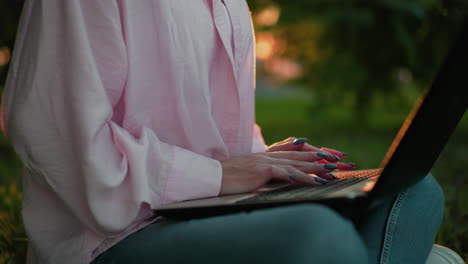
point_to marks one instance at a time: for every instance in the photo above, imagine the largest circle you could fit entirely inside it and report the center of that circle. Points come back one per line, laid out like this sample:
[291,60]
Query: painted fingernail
[322,154]
[333,176]
[299,141]
[350,163]
[292,177]
[337,158]
[330,166]
[320,180]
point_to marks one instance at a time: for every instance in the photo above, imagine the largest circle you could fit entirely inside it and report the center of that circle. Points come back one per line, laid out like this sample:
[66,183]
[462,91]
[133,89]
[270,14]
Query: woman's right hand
[249,172]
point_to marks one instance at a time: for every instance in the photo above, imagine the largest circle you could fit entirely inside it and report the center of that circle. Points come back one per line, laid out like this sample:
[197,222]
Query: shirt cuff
[258,146]
[193,176]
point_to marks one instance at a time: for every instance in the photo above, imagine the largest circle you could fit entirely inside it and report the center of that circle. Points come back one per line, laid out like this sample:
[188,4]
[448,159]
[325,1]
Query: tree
[359,48]
[10,11]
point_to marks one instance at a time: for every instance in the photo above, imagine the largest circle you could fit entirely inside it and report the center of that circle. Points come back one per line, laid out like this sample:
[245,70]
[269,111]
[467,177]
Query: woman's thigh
[292,234]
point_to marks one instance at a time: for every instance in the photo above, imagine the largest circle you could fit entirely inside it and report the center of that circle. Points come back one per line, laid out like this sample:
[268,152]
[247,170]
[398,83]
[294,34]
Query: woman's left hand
[299,144]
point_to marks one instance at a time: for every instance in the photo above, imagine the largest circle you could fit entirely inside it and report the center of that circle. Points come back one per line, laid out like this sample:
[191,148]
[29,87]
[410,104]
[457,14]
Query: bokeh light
[268,16]
[284,69]
[5,56]
[266,45]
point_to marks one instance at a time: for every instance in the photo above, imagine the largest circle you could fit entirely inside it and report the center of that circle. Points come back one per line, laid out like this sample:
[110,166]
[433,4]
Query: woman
[117,107]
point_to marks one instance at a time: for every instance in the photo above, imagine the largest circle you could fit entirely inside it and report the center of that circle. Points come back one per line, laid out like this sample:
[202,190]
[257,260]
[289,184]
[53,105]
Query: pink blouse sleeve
[258,141]
[68,74]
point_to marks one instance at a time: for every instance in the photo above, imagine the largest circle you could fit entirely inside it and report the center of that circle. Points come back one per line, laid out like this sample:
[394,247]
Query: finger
[287,145]
[302,155]
[328,156]
[341,165]
[308,147]
[279,173]
[344,166]
[289,139]
[334,155]
[289,173]
[303,146]
[300,144]
[299,141]
[307,167]
[328,176]
[301,177]
[334,152]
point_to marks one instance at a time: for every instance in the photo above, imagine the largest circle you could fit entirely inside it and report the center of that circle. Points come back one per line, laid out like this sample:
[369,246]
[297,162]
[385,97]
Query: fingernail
[292,177]
[330,166]
[337,158]
[299,141]
[333,176]
[350,163]
[322,154]
[320,180]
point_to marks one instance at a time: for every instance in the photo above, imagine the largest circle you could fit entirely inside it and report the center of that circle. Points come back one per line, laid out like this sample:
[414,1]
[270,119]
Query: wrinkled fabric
[117,107]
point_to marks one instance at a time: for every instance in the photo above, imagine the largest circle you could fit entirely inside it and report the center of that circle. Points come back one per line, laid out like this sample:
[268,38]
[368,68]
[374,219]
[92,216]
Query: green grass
[12,236]
[366,143]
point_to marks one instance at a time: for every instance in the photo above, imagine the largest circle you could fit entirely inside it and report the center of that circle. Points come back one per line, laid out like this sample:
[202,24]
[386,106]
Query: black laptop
[409,159]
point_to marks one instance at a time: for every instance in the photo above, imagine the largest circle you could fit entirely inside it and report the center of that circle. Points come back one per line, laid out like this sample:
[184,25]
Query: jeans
[402,230]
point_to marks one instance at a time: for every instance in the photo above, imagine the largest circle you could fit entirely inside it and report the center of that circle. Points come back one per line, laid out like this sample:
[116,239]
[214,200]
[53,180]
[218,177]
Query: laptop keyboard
[307,191]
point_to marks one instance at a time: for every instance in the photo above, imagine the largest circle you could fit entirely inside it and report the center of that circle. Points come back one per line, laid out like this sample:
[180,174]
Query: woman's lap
[295,234]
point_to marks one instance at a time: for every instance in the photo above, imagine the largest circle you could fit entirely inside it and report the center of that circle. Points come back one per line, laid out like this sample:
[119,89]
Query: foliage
[361,48]
[9,15]
[13,241]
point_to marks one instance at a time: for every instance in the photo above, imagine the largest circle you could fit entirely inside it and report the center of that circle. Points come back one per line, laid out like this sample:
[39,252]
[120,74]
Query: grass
[12,236]
[332,126]
[366,143]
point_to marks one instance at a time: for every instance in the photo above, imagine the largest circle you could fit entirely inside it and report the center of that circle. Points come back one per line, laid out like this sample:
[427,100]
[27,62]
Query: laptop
[409,159]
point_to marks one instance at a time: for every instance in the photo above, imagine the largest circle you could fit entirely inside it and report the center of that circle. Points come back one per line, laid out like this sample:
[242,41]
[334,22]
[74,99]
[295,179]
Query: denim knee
[428,199]
[413,227]
[320,235]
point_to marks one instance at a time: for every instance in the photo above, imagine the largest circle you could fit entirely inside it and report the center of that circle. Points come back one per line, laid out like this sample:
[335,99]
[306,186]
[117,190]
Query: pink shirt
[117,107]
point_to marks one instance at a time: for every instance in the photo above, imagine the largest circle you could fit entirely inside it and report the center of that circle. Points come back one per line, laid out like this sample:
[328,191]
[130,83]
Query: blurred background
[344,74]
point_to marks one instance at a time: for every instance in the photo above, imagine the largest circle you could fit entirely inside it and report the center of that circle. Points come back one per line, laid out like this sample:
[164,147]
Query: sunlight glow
[268,16]
[285,69]
[265,46]
[368,186]
[4,56]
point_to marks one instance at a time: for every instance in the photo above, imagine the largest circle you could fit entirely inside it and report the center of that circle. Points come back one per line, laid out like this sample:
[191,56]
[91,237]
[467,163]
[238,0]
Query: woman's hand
[299,144]
[249,172]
